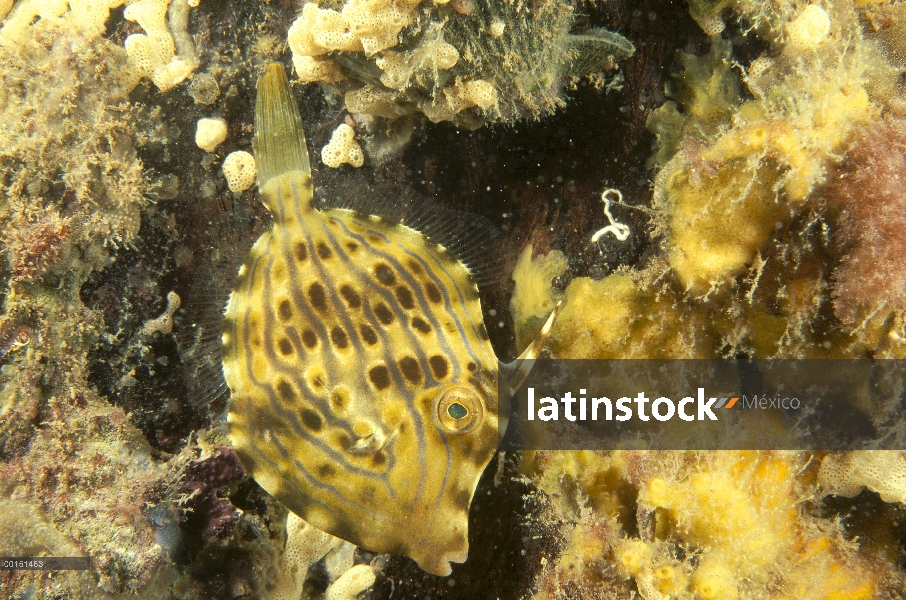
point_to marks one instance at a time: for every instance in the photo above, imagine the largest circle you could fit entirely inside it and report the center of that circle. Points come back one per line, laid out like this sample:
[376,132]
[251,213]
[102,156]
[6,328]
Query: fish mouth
[440,564]
[443,541]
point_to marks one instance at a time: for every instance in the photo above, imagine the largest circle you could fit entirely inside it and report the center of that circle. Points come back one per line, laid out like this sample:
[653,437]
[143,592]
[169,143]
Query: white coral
[353,582]
[342,149]
[210,133]
[239,170]
[882,471]
[153,54]
[809,29]
[165,53]
[306,545]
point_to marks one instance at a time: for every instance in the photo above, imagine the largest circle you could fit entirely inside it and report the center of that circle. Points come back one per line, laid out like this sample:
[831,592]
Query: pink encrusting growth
[872,224]
[34,248]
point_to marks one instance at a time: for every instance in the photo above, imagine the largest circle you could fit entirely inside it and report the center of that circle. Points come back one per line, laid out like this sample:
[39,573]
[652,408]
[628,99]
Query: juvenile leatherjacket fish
[363,384]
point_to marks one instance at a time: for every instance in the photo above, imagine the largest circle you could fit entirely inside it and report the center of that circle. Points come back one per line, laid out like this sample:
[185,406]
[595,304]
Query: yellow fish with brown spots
[364,387]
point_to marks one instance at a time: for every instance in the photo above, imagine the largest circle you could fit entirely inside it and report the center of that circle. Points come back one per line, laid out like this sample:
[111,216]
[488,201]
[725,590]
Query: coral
[533,298]
[239,170]
[39,146]
[68,469]
[210,133]
[153,54]
[204,88]
[468,65]
[871,278]
[164,323]
[779,235]
[703,96]
[353,582]
[630,322]
[33,247]
[26,531]
[745,195]
[80,16]
[723,209]
[306,545]
[342,149]
[703,526]
[809,29]
[880,471]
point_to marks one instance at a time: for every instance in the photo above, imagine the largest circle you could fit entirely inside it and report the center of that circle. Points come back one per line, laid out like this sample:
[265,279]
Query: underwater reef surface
[759,148]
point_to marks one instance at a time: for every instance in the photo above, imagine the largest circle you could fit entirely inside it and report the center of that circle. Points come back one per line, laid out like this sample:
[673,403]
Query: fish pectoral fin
[371,443]
[364,445]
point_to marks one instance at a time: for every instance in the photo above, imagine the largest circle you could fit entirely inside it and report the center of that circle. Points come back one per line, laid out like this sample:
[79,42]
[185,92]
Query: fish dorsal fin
[471,238]
[513,374]
[279,140]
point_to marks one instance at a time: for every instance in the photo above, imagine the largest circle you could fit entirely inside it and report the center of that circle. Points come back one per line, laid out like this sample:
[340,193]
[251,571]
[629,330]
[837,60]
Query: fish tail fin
[279,139]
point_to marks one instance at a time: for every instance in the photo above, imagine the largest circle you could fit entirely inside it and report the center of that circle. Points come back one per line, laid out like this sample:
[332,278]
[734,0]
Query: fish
[363,384]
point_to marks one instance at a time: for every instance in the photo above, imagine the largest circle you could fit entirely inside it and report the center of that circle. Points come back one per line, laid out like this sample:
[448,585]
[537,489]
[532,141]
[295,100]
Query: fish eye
[458,410]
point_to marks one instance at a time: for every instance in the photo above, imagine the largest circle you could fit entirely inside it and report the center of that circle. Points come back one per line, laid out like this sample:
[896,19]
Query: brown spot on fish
[379,458]
[384,274]
[420,325]
[410,369]
[301,252]
[351,296]
[317,297]
[309,338]
[472,366]
[311,420]
[338,337]
[439,366]
[285,347]
[285,310]
[278,273]
[345,530]
[482,331]
[368,335]
[339,400]
[433,292]
[323,250]
[352,247]
[373,238]
[344,441]
[383,314]
[462,499]
[414,266]
[380,377]
[405,297]
[286,391]
[326,470]
[316,381]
